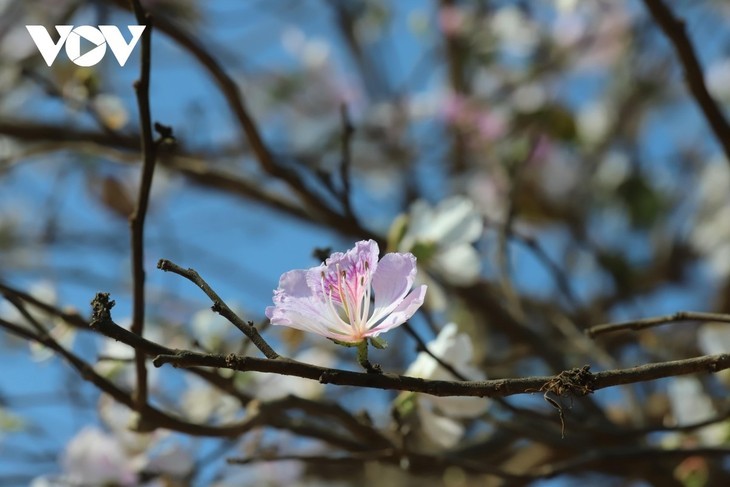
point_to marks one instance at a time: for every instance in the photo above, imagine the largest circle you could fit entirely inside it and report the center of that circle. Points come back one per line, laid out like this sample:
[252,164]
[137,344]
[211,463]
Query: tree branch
[137,219]
[675,31]
[219,306]
[574,382]
[643,323]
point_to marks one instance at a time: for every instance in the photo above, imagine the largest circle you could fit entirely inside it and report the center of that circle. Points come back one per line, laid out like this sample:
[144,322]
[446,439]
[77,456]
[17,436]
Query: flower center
[347,292]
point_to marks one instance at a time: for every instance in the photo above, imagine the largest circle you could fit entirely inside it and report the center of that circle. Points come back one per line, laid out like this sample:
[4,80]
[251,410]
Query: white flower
[690,405]
[594,121]
[94,457]
[201,403]
[518,35]
[436,413]
[214,332]
[711,233]
[441,238]
[275,386]
[116,359]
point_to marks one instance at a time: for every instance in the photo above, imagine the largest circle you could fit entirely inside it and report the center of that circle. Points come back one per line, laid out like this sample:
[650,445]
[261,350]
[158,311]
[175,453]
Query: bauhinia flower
[350,298]
[442,236]
[440,417]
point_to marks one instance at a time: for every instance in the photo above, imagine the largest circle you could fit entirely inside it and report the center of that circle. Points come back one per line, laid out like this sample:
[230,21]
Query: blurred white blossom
[711,233]
[276,386]
[436,413]
[215,333]
[92,457]
[594,120]
[119,456]
[45,292]
[517,33]
[441,238]
[690,404]
[202,403]
[717,78]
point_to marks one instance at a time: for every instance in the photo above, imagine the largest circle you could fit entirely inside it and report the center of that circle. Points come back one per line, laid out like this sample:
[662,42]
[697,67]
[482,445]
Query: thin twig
[220,307]
[250,130]
[151,415]
[643,323]
[137,219]
[675,31]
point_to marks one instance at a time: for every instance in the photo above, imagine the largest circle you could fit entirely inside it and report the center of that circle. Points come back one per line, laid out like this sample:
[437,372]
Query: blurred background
[544,160]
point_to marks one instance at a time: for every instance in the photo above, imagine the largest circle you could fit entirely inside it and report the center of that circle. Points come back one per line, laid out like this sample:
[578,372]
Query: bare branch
[643,323]
[219,306]
[137,219]
[490,388]
[675,31]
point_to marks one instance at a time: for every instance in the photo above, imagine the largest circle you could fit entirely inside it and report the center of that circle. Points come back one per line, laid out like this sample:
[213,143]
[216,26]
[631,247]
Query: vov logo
[71,36]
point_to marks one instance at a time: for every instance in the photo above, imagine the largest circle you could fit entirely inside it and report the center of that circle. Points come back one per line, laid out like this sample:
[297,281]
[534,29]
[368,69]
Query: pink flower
[334,299]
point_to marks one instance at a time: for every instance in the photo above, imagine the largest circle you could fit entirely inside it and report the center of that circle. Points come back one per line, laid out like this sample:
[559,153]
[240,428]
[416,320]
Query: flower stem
[362,358]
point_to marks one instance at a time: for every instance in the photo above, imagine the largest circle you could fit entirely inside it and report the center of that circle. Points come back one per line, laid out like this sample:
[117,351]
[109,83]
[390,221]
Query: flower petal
[294,283]
[456,221]
[452,221]
[309,314]
[359,262]
[455,348]
[444,432]
[460,407]
[401,313]
[391,281]
[459,264]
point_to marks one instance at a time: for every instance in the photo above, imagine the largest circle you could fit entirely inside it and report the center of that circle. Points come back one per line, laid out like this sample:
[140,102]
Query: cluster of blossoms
[114,455]
[440,417]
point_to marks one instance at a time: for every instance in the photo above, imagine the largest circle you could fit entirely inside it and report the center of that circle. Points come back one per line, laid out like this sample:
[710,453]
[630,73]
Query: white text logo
[71,36]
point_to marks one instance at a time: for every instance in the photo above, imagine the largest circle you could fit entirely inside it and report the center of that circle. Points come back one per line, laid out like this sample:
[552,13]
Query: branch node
[576,382]
[101,307]
[165,132]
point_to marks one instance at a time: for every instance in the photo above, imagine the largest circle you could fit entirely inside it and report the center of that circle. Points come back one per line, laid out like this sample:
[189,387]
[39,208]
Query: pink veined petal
[304,323]
[294,283]
[313,279]
[402,312]
[358,262]
[309,314]
[364,250]
[391,281]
